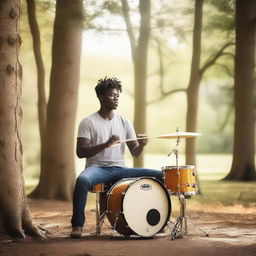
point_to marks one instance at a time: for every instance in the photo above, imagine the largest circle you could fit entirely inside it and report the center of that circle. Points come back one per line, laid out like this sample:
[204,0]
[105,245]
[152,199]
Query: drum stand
[180,227]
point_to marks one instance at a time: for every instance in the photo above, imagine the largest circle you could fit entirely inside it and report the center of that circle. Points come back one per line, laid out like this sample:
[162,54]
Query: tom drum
[186,182]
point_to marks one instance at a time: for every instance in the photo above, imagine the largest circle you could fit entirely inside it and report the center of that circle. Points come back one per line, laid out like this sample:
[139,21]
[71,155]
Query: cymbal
[180,135]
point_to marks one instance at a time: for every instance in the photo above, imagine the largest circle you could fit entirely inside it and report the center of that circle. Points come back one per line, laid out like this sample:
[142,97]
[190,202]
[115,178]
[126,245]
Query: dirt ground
[232,231]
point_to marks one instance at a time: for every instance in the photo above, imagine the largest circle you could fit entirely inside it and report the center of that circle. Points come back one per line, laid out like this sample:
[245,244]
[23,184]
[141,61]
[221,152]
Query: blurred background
[106,51]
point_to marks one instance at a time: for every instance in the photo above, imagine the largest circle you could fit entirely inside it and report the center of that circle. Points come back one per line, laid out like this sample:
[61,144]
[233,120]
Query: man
[99,140]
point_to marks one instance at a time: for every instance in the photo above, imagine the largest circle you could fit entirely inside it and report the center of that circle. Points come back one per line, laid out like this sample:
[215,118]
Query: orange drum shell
[187,179]
[114,207]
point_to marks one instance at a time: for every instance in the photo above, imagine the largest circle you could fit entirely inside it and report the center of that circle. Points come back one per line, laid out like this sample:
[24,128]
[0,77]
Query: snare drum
[138,206]
[187,182]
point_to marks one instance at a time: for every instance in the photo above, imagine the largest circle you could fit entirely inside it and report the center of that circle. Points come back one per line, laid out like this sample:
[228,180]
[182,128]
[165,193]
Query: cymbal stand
[180,227]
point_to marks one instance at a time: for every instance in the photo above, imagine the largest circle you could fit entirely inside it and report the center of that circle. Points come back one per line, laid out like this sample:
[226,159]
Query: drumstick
[177,135]
[118,142]
[139,138]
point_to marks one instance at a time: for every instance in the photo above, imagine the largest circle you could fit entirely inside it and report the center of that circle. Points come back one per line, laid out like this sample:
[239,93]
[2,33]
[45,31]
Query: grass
[228,193]
[211,169]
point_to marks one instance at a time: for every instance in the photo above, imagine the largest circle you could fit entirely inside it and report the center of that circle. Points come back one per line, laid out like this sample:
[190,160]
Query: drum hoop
[165,190]
[112,187]
[180,167]
[134,179]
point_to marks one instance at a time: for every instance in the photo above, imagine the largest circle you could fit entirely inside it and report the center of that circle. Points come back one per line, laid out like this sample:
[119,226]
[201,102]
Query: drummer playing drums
[100,140]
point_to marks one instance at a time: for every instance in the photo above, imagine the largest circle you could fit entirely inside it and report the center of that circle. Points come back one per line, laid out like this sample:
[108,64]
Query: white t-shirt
[98,130]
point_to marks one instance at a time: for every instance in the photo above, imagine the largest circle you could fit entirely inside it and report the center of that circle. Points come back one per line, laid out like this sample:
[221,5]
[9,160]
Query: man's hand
[114,139]
[142,142]
[136,146]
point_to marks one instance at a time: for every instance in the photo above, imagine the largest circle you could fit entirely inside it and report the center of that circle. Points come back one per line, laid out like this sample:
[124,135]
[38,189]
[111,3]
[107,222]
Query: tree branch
[226,68]
[165,94]
[125,9]
[215,57]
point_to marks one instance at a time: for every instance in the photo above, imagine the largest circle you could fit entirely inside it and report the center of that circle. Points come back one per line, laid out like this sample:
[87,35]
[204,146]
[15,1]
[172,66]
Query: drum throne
[101,191]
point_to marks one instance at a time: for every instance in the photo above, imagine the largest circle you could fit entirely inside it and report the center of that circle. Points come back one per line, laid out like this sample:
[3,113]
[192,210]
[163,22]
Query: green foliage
[221,22]
[228,193]
[223,16]
[224,6]
[112,6]
[99,15]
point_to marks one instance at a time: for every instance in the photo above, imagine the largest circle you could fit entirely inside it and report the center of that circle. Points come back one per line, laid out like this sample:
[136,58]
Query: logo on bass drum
[145,187]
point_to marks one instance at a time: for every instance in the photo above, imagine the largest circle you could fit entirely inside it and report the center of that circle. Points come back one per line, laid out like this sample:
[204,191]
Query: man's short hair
[107,83]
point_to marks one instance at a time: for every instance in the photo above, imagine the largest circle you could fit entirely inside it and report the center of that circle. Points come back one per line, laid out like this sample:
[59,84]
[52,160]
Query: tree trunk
[140,74]
[194,83]
[139,54]
[57,175]
[243,166]
[42,105]
[15,217]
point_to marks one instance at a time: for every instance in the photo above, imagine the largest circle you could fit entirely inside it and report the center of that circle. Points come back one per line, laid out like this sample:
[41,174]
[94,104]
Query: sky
[117,45]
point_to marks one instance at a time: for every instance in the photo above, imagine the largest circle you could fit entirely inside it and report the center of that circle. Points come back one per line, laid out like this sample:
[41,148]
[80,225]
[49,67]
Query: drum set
[142,206]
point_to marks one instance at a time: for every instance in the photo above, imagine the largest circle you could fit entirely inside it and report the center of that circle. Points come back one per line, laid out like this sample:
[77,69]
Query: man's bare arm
[84,150]
[136,147]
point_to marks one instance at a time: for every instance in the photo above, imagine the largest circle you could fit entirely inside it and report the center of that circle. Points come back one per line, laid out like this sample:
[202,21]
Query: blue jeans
[95,175]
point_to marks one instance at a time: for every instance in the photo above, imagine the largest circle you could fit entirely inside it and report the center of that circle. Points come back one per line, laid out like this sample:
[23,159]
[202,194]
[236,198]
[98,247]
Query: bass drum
[138,206]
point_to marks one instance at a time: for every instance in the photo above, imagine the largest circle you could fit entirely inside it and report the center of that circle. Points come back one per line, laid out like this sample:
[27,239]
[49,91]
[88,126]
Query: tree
[57,175]
[243,166]
[194,82]
[42,105]
[15,217]
[196,74]
[139,49]
[40,66]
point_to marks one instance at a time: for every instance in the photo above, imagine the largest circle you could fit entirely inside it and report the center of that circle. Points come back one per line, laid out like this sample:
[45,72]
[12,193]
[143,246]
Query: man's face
[110,99]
